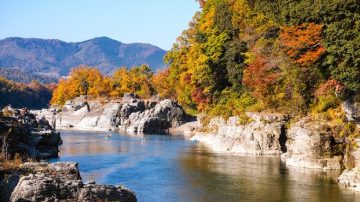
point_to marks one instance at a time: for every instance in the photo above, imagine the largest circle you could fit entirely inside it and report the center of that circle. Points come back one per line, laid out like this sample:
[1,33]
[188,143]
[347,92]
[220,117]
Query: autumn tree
[120,82]
[162,84]
[303,43]
[82,80]
[260,77]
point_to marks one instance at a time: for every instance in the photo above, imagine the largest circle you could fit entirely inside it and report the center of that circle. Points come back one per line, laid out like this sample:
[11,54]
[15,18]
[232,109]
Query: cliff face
[130,114]
[311,144]
[264,134]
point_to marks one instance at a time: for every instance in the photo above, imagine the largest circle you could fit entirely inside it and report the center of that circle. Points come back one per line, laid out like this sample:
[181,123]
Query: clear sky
[158,22]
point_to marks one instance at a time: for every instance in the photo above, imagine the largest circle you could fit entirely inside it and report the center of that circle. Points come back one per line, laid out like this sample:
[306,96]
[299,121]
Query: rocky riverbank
[307,143]
[258,134]
[130,114]
[57,182]
[24,136]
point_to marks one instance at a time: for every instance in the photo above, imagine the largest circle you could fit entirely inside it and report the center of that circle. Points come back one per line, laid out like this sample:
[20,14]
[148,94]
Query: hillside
[19,75]
[32,96]
[55,58]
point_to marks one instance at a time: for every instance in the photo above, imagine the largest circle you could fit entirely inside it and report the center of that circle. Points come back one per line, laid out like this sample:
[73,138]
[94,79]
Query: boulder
[162,116]
[62,181]
[311,144]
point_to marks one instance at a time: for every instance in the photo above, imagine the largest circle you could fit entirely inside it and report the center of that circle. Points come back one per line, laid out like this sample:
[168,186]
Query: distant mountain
[55,58]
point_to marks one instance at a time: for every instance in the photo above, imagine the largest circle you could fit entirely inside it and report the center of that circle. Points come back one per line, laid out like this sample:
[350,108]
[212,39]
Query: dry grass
[9,165]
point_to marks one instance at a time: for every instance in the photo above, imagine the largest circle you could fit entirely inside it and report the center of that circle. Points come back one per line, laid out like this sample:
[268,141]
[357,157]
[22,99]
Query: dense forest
[32,95]
[289,56]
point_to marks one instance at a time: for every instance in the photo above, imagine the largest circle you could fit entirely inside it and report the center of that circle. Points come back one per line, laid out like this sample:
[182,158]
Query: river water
[171,168]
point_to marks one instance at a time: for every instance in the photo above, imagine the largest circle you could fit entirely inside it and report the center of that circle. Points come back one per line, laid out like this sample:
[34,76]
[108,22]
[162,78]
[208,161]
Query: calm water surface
[171,168]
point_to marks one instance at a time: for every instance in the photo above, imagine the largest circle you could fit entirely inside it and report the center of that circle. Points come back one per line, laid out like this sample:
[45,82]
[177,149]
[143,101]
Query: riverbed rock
[311,144]
[62,181]
[27,136]
[163,115]
[129,114]
[260,134]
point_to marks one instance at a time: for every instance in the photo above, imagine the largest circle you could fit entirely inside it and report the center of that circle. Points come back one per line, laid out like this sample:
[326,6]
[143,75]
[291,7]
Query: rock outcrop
[22,133]
[311,144]
[352,111]
[260,134]
[307,143]
[62,182]
[161,117]
[129,114]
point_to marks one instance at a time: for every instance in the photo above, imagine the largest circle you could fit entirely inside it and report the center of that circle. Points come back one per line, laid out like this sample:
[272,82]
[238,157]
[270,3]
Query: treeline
[21,76]
[90,81]
[286,56]
[19,95]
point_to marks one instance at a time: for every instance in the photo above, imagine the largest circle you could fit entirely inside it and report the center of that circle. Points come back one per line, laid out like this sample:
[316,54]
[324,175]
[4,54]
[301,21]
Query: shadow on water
[170,168]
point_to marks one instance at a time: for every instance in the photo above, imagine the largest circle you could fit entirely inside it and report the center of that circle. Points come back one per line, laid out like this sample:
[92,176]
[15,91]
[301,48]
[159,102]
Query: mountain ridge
[55,58]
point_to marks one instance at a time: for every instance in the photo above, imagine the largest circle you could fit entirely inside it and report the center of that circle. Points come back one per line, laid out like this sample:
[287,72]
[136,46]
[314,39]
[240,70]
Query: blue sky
[158,22]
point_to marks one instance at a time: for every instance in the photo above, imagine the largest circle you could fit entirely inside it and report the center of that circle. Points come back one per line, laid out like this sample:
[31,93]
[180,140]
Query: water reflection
[169,168]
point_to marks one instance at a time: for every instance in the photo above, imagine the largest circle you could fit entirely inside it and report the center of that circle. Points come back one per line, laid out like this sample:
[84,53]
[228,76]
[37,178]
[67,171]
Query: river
[171,168]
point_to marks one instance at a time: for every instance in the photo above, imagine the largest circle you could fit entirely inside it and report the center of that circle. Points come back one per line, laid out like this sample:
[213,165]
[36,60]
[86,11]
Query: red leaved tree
[259,76]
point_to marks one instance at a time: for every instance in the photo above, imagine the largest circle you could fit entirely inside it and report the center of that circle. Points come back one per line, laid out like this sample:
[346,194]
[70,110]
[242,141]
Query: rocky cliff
[262,134]
[311,144]
[129,114]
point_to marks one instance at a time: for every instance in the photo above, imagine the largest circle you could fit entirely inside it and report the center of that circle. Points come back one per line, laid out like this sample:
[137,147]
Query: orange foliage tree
[259,76]
[82,80]
[303,42]
[162,84]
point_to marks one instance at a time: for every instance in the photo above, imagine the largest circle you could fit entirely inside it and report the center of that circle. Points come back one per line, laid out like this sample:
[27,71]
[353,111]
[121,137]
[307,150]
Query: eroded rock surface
[262,134]
[62,181]
[311,144]
[307,143]
[129,114]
